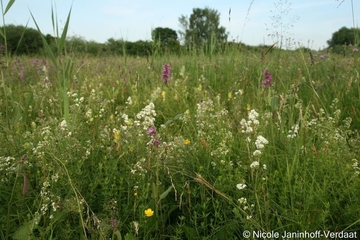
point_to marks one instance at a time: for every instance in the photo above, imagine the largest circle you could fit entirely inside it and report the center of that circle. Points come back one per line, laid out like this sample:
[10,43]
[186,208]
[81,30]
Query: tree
[167,39]
[345,36]
[202,27]
[22,40]
[164,35]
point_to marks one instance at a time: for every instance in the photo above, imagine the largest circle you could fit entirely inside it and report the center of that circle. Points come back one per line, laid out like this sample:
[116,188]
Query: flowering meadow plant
[115,153]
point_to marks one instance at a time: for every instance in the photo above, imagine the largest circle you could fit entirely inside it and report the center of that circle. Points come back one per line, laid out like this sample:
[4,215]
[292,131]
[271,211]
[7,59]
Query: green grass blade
[8,6]
[64,33]
[46,45]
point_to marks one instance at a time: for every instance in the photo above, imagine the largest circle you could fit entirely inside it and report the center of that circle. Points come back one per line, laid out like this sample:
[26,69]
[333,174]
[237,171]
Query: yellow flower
[149,212]
[163,94]
[135,194]
[116,135]
[187,141]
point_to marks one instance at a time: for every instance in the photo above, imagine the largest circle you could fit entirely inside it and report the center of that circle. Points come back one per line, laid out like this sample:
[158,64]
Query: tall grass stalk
[5,64]
[64,67]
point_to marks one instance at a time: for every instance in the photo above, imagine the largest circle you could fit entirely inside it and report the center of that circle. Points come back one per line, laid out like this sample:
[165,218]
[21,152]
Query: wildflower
[254,164]
[355,50]
[151,130]
[163,94]
[63,125]
[294,131]
[187,142]
[129,101]
[149,212]
[260,142]
[148,114]
[113,223]
[116,135]
[136,227]
[166,72]
[242,200]
[253,115]
[241,186]
[256,152]
[155,142]
[267,78]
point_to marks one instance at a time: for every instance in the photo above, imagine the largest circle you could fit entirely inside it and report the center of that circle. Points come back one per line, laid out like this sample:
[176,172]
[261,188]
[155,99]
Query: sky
[308,23]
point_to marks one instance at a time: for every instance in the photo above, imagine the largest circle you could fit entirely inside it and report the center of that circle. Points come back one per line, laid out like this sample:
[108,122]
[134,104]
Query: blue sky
[250,21]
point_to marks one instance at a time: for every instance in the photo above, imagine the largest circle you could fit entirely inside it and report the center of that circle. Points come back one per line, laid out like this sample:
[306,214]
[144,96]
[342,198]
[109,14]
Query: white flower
[253,115]
[241,186]
[261,142]
[129,101]
[254,164]
[63,125]
[242,200]
[257,152]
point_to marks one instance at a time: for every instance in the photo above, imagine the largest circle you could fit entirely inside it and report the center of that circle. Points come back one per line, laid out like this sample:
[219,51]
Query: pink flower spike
[166,73]
[267,78]
[151,130]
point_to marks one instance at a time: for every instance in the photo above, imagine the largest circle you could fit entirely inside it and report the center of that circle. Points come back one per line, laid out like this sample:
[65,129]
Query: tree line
[201,31]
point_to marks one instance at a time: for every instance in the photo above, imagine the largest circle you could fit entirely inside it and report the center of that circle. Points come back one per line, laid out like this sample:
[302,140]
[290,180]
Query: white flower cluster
[241,186]
[48,199]
[246,207]
[88,115]
[204,111]
[63,125]
[249,125]
[155,94]
[254,164]
[356,167]
[39,150]
[7,166]
[138,168]
[260,143]
[147,114]
[294,131]
[129,101]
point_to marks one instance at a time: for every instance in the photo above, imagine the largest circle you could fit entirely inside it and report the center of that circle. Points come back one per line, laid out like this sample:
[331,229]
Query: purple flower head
[267,78]
[151,130]
[155,142]
[166,73]
[355,50]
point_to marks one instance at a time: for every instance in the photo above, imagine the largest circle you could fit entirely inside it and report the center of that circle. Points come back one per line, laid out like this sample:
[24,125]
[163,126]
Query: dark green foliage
[121,47]
[167,38]
[202,27]
[78,44]
[164,35]
[22,40]
[345,36]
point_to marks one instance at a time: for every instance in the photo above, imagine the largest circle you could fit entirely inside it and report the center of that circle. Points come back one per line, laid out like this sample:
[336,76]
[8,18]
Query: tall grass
[104,148]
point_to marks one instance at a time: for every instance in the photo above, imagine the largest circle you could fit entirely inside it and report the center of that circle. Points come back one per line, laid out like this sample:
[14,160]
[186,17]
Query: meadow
[192,146]
[179,147]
